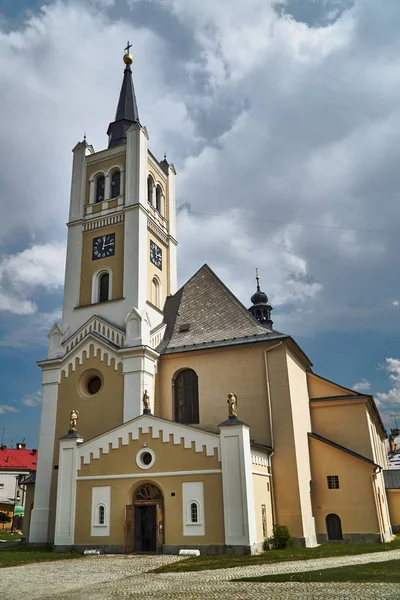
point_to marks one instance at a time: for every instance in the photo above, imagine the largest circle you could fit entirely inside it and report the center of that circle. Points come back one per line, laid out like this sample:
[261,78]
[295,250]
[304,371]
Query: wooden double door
[144,528]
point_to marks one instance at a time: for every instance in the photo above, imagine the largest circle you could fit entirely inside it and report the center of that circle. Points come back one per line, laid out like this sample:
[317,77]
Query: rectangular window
[333,482]
[1,486]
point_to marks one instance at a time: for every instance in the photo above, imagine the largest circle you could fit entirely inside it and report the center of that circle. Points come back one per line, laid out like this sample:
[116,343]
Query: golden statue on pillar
[146,402]
[73,421]
[232,401]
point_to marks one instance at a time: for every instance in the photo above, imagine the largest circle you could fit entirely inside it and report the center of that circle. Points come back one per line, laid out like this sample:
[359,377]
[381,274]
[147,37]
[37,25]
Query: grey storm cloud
[282,120]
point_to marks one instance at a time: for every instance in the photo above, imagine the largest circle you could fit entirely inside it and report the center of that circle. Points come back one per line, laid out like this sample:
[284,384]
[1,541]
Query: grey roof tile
[204,311]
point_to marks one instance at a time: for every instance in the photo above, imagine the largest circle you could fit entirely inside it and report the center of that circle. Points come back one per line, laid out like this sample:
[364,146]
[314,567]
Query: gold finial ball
[128,58]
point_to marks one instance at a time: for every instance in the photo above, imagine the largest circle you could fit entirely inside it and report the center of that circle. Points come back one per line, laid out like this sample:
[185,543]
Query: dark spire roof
[261,310]
[127,111]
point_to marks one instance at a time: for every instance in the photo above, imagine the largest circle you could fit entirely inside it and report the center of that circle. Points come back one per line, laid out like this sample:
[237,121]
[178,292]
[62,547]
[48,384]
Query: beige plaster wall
[220,371]
[354,501]
[153,270]
[393,497]
[320,388]
[169,457]
[301,427]
[89,266]
[344,422]
[97,414]
[262,495]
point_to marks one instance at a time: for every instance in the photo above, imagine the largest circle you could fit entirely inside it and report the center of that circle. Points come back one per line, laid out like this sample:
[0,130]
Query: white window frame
[156,279]
[139,458]
[96,284]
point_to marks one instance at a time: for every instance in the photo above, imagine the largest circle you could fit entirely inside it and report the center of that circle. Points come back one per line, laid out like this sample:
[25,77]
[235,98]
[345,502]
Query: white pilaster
[66,490]
[72,275]
[237,485]
[78,182]
[38,532]
[136,172]
[139,368]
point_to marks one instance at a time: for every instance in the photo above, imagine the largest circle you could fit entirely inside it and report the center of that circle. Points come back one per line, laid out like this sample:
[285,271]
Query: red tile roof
[18,459]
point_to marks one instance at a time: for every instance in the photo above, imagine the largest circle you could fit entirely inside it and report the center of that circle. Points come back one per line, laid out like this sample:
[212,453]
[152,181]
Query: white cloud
[362,386]
[30,331]
[32,400]
[5,408]
[391,399]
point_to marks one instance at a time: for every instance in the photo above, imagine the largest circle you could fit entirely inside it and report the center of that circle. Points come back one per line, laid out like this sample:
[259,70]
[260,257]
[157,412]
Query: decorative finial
[146,403]
[73,421]
[165,156]
[84,136]
[232,401]
[128,58]
[258,280]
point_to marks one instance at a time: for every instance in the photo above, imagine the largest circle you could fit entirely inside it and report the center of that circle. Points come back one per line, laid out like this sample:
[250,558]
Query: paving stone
[113,577]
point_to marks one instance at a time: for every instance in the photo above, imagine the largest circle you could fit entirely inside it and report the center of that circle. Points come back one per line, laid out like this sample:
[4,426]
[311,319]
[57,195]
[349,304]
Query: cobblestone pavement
[127,578]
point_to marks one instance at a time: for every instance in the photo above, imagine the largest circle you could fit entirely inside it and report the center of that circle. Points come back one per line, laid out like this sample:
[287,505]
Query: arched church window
[155,292]
[194,512]
[115,184]
[150,187]
[104,287]
[101,514]
[100,187]
[158,198]
[186,397]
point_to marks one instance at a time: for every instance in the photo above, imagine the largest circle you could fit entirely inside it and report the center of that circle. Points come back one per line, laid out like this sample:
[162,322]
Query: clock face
[155,255]
[103,246]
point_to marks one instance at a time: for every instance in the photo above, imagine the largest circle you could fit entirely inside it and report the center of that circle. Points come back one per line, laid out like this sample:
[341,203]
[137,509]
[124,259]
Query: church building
[178,418]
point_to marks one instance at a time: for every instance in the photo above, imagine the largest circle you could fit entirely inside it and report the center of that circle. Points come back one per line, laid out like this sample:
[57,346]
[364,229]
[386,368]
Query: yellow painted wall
[153,270]
[262,495]
[284,465]
[301,427]
[169,457]
[354,501]
[220,371]
[115,263]
[97,414]
[393,497]
[343,422]
[320,388]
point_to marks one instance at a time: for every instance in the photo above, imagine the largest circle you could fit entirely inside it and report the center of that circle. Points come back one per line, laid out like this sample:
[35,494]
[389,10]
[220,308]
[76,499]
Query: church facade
[179,419]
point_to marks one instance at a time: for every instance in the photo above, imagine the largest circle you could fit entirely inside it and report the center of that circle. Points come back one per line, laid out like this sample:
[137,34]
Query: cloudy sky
[283,121]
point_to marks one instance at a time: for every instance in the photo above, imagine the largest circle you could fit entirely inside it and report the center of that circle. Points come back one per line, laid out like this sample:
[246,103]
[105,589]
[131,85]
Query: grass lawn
[383,572]
[12,557]
[7,536]
[223,561]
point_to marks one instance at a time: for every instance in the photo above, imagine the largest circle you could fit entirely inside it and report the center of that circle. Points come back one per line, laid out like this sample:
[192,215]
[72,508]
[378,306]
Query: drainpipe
[271,430]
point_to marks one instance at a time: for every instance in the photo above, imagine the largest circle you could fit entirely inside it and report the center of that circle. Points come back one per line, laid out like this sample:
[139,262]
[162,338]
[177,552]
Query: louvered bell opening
[104,285]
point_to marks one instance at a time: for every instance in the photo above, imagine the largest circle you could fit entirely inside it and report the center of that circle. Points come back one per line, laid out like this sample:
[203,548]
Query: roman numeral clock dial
[155,255]
[103,246]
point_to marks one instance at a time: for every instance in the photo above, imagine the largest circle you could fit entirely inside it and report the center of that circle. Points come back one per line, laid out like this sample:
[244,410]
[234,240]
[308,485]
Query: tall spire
[261,310]
[127,111]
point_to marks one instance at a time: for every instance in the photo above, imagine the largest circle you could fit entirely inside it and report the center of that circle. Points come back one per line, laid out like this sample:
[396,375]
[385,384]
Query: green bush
[281,538]
[5,518]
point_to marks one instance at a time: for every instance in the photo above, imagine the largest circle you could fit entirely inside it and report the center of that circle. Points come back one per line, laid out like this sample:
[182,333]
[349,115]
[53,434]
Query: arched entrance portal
[144,520]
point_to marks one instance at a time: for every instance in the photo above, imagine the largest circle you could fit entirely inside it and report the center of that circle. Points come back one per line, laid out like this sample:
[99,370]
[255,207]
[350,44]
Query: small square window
[333,482]
[1,486]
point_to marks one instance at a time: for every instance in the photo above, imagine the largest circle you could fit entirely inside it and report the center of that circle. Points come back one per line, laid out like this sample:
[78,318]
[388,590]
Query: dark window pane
[104,284]
[115,184]
[187,397]
[100,185]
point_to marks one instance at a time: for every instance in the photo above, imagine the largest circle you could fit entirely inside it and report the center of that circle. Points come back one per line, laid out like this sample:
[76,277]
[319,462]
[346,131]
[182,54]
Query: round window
[90,383]
[145,458]
[93,385]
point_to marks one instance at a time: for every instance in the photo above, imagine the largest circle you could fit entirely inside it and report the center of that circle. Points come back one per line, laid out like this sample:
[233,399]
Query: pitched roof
[342,448]
[15,459]
[204,313]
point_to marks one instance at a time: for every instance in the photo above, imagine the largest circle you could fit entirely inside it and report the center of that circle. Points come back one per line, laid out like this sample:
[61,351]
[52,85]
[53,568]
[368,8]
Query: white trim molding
[96,284]
[101,496]
[140,475]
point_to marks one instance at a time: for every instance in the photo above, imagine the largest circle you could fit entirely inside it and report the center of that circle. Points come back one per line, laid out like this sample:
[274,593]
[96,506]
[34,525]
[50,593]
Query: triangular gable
[160,428]
[319,387]
[204,310]
[340,448]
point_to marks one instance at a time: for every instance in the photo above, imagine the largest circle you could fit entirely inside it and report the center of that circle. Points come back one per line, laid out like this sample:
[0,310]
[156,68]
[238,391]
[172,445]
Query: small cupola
[260,309]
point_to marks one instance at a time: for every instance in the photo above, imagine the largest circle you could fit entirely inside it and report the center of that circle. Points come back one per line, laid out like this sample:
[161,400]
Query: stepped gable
[205,312]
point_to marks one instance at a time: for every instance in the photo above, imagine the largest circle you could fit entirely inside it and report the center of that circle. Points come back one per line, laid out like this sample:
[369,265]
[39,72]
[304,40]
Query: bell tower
[121,251]
[120,268]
